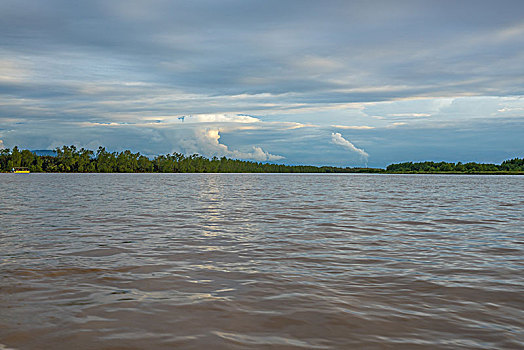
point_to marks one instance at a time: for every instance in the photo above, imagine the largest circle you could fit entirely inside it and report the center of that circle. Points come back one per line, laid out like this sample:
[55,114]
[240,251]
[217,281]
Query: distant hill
[44,152]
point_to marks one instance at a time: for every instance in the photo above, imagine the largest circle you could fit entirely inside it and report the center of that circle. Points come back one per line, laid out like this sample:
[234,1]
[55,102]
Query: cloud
[508,109]
[188,48]
[394,125]
[12,71]
[206,141]
[410,115]
[221,118]
[354,127]
[337,139]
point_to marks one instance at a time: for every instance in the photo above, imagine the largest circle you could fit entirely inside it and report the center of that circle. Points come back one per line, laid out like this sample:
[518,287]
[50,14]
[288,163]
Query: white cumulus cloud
[337,139]
[206,141]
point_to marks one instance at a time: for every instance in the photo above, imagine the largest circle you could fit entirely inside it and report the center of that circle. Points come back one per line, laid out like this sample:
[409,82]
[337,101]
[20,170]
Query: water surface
[239,261]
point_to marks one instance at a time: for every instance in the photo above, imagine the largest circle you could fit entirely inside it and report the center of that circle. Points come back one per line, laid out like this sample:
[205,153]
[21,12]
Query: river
[261,261]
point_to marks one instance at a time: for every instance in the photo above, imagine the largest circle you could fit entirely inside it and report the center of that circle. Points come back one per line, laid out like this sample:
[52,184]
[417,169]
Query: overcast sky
[344,83]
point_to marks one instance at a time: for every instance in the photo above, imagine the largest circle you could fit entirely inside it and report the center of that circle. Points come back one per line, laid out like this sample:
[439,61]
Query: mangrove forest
[70,159]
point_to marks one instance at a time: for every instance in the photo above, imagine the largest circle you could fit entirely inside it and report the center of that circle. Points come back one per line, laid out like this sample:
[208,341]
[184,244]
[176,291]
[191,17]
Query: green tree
[16,158]
[105,161]
[144,164]
[26,158]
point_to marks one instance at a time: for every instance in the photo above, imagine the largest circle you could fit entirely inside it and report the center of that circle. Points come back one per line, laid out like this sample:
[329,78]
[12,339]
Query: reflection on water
[236,261]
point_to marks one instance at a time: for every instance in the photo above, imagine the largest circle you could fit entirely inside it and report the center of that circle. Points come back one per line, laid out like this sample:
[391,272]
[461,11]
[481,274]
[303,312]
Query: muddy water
[221,261]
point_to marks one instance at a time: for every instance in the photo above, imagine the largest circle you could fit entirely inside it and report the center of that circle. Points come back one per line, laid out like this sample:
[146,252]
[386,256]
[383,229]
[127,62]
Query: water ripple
[236,261]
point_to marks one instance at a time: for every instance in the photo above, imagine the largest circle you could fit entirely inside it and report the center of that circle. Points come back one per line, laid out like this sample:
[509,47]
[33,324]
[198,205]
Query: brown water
[247,261]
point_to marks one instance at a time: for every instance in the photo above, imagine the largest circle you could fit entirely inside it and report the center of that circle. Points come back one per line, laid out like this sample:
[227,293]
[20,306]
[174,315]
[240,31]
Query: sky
[345,83]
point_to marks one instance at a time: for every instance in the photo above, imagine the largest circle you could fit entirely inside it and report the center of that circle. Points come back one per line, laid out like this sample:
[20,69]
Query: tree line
[507,166]
[69,159]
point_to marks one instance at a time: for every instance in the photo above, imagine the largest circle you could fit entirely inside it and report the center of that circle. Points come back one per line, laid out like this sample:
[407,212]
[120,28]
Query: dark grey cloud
[235,46]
